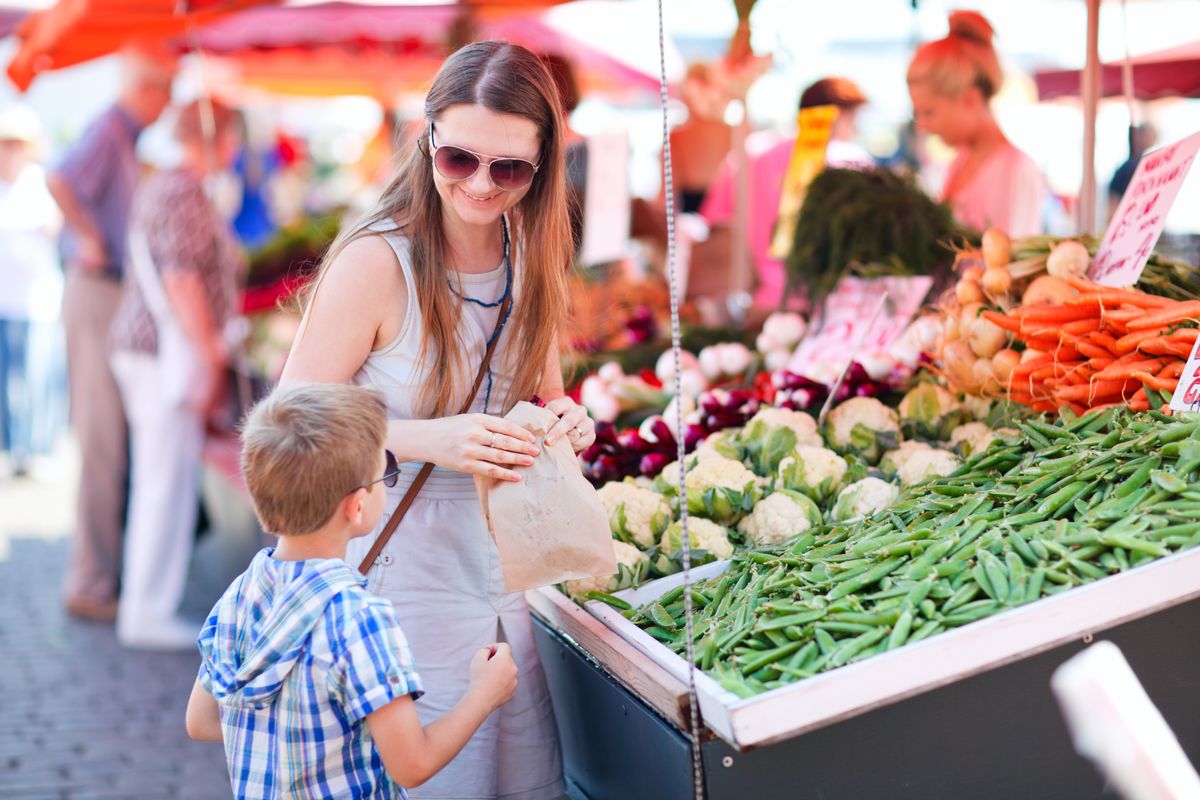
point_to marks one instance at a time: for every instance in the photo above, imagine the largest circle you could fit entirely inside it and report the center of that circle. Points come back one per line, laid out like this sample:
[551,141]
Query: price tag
[848,316]
[1187,393]
[606,199]
[1139,219]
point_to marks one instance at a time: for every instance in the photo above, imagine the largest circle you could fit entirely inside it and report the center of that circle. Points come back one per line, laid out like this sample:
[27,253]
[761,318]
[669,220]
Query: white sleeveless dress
[441,571]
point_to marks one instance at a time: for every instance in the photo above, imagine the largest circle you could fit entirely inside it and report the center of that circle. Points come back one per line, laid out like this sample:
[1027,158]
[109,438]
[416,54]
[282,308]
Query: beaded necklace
[508,284]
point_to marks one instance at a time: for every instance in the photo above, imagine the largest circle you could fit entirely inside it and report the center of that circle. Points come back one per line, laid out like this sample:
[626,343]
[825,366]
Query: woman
[951,82]
[32,406]
[170,358]
[407,301]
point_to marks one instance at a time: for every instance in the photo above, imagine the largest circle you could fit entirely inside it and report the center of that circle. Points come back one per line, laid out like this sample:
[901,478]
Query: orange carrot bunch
[1100,348]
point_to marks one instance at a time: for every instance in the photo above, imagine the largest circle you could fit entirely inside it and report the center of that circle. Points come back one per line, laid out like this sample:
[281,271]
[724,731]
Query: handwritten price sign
[1187,393]
[1140,218]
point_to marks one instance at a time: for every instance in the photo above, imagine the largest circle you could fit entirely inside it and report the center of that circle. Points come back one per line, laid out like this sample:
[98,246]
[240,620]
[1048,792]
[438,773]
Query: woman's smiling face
[476,200]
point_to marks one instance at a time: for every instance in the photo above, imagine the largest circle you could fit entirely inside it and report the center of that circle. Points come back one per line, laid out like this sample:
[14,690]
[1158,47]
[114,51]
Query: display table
[996,734]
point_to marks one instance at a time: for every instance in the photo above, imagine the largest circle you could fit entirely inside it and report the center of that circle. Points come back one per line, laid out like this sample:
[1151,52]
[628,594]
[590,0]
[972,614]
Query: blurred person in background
[171,357]
[1141,138]
[94,186]
[567,83]
[767,164]
[31,403]
[699,145]
[951,82]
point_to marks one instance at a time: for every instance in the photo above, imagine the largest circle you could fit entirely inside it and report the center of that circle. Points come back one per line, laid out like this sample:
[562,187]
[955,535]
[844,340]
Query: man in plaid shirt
[297,655]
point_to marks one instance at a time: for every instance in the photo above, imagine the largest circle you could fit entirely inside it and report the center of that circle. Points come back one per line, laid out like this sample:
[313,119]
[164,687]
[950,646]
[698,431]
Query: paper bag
[551,526]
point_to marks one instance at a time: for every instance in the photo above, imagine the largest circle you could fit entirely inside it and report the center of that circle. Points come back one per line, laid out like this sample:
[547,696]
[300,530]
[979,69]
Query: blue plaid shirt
[297,654]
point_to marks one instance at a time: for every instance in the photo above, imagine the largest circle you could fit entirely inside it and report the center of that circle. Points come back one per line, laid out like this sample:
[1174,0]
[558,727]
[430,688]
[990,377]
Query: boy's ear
[351,507]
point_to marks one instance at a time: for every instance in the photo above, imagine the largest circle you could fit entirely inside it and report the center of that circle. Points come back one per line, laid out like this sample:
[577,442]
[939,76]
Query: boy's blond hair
[307,446]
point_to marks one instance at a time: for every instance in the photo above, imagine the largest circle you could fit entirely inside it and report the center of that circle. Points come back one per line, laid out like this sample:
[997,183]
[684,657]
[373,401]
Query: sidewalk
[80,716]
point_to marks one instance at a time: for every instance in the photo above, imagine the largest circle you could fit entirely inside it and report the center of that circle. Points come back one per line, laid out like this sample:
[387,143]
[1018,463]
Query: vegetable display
[1041,510]
[1100,347]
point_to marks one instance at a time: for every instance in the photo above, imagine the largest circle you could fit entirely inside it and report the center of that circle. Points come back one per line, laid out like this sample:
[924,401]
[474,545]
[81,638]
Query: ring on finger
[493,442]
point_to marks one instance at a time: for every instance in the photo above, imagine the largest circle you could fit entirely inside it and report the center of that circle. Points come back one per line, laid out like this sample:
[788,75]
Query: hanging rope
[673,281]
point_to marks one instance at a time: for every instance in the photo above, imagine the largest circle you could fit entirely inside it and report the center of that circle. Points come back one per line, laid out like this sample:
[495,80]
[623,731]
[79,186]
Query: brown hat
[840,92]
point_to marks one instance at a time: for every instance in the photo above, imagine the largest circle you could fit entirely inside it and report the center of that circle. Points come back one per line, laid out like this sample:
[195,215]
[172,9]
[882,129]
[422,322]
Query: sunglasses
[391,473]
[457,164]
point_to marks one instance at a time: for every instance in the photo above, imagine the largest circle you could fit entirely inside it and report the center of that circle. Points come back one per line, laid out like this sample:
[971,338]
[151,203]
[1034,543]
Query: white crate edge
[948,657]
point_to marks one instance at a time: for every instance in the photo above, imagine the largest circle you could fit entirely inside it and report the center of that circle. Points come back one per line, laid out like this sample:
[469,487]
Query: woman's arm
[360,306]
[573,420]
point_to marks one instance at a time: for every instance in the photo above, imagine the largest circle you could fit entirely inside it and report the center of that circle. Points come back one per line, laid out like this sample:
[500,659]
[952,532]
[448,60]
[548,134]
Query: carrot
[1138,401]
[1092,351]
[1102,407]
[1179,312]
[1002,321]
[1082,326]
[1156,383]
[1124,314]
[1096,389]
[1056,314]
[1104,340]
[1129,342]
[1172,370]
[1119,370]
[1044,406]
[1118,298]
[1185,335]
[1100,362]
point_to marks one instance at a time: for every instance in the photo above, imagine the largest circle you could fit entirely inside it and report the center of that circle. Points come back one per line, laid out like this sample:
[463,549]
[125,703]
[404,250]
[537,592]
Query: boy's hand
[494,674]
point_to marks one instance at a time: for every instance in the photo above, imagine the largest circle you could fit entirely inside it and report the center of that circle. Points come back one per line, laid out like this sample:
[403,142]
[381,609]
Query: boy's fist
[494,673]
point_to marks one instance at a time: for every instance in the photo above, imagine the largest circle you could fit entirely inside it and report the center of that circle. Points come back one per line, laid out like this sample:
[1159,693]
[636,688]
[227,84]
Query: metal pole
[1090,91]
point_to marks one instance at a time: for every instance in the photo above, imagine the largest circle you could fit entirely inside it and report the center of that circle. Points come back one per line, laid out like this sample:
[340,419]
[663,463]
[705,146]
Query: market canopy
[1165,73]
[383,51]
[74,31]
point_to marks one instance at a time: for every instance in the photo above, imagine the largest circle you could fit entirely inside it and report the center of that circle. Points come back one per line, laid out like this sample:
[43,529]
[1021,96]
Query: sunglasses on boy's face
[391,473]
[457,164]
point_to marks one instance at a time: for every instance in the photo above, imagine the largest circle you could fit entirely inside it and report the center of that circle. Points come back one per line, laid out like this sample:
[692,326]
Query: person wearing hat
[29,303]
[767,163]
[94,187]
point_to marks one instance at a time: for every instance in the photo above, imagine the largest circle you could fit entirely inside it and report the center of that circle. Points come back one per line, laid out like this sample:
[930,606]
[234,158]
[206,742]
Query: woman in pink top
[951,82]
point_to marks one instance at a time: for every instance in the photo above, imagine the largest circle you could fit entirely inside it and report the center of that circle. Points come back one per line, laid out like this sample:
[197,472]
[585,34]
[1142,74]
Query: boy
[297,655]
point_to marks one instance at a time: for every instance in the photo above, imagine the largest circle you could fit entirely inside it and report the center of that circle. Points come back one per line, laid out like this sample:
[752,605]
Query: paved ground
[80,716]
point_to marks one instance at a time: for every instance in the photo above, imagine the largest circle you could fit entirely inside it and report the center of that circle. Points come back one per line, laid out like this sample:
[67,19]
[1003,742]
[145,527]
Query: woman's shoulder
[369,257]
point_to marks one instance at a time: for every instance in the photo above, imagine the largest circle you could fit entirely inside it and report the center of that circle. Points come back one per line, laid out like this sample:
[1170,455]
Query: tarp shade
[1166,73]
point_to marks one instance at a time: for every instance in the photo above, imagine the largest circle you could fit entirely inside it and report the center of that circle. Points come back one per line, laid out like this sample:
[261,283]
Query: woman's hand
[480,444]
[573,422]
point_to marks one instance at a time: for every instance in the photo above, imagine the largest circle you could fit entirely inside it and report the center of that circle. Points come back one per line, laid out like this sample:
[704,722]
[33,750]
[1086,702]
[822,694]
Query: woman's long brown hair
[507,79]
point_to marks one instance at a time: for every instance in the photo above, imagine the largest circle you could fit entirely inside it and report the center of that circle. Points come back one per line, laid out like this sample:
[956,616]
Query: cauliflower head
[632,565]
[974,437]
[865,426]
[718,472]
[635,514]
[815,471]
[893,459]
[703,534]
[801,424]
[780,516]
[721,444]
[863,498]
[925,464]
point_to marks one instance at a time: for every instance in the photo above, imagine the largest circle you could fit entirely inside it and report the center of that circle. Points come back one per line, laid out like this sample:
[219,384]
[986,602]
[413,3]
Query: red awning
[1167,73]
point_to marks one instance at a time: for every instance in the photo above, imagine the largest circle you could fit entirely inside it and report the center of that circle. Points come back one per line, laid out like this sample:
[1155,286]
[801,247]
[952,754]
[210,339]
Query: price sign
[1187,393]
[1139,219]
[815,126]
[848,316]
[606,199]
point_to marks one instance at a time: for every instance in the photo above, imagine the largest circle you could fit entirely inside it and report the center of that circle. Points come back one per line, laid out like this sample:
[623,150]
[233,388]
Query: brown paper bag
[550,527]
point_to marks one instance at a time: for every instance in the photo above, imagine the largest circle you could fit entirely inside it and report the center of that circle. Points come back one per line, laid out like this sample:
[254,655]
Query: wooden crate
[633,669]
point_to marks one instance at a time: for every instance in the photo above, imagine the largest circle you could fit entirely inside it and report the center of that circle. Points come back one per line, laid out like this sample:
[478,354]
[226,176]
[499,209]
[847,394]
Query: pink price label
[1187,393]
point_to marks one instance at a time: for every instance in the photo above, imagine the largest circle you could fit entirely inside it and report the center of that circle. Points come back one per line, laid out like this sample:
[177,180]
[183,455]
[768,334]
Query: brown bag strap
[422,476]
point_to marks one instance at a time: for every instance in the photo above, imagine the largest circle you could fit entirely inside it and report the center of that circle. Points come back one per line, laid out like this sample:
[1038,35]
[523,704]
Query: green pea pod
[964,616]
[802,656]
[979,573]
[853,647]
[853,628]
[1033,589]
[1138,479]
[901,630]
[1131,543]
[925,631]
[928,608]
[1050,506]
[1167,482]
[917,594]
[825,641]
[661,618]
[961,597]
[866,579]
[604,597]
[802,618]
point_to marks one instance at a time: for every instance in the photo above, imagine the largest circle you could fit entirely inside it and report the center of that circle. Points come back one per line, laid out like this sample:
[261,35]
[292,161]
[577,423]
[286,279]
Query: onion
[984,376]
[664,368]
[784,327]
[692,382]
[968,292]
[1069,259]
[967,317]
[972,274]
[710,362]
[735,358]
[1048,290]
[986,338]
[996,282]
[997,249]
[1003,363]
[958,360]
[610,372]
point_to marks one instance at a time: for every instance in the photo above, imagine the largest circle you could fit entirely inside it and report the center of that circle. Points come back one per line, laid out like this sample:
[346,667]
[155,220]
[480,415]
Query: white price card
[1139,219]
[1187,393]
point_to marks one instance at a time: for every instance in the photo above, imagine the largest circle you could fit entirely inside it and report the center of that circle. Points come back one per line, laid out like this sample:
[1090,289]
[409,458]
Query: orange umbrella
[74,31]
